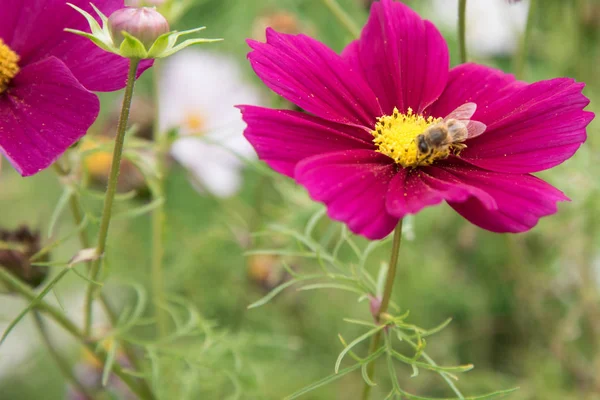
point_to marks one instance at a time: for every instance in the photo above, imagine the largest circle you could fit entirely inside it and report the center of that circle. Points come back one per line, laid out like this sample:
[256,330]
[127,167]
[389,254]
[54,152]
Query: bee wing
[464,112]
[474,128]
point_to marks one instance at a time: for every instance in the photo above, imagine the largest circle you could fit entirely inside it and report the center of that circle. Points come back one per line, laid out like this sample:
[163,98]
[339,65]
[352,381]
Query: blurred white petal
[214,168]
[198,94]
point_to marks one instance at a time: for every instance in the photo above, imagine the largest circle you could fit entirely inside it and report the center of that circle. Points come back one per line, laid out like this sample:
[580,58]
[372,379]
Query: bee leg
[458,147]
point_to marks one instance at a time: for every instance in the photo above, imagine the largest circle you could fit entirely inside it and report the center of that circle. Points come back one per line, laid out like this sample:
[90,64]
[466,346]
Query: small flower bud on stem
[145,24]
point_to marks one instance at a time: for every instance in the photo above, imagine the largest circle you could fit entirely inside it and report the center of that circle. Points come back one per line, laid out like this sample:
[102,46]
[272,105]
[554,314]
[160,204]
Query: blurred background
[525,307]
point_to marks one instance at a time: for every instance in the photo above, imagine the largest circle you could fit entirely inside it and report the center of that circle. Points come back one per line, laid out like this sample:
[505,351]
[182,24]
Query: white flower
[198,92]
[494,27]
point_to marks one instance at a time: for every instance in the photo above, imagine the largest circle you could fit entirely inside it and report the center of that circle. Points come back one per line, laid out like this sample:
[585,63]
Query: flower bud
[145,24]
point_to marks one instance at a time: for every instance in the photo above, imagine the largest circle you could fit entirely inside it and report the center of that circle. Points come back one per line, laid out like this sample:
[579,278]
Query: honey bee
[447,137]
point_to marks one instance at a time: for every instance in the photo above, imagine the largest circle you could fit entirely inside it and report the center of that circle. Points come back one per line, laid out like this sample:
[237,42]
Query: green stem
[343,17]
[75,207]
[158,221]
[56,314]
[62,364]
[110,192]
[385,302]
[521,57]
[462,30]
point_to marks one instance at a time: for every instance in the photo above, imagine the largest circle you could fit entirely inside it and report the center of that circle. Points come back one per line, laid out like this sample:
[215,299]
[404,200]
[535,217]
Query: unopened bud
[145,24]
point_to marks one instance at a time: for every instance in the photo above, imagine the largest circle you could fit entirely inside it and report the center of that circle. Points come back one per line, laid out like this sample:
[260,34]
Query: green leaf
[279,289]
[436,368]
[46,249]
[94,26]
[365,375]
[60,206]
[33,303]
[335,376]
[109,363]
[359,322]
[354,343]
[312,222]
[337,286]
[138,211]
[497,394]
[185,44]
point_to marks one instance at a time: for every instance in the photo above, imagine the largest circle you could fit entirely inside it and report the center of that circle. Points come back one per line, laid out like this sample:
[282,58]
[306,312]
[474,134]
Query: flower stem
[521,57]
[158,219]
[110,192]
[385,302]
[343,17]
[56,314]
[462,30]
[62,364]
[75,207]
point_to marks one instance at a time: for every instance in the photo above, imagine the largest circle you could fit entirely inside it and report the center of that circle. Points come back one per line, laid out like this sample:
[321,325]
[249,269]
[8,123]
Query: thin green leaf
[337,286]
[351,353]
[279,289]
[33,303]
[46,249]
[85,278]
[500,393]
[365,375]
[110,361]
[390,363]
[436,368]
[359,322]
[100,195]
[354,343]
[313,221]
[432,331]
[138,211]
[138,310]
[334,377]
[60,206]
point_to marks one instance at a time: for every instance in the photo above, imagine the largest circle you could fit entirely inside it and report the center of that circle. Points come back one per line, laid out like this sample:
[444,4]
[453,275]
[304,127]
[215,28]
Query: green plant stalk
[521,56]
[62,364]
[158,220]
[110,192]
[56,314]
[385,302]
[337,10]
[75,208]
[462,30]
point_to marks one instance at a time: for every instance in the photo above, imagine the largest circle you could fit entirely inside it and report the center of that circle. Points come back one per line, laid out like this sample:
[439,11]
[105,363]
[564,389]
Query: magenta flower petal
[412,189]
[520,199]
[403,57]
[353,184]
[530,128]
[283,138]
[474,83]
[309,74]
[35,30]
[45,112]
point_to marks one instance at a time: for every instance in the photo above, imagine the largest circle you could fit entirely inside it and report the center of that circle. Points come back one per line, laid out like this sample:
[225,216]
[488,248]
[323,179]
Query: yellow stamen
[194,122]
[395,135]
[9,66]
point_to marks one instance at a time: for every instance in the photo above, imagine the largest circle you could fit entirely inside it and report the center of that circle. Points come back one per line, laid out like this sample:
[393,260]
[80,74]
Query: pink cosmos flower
[46,79]
[357,149]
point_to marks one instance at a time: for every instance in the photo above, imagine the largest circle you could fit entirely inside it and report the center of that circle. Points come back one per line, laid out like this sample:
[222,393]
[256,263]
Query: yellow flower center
[9,66]
[194,122]
[395,136]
